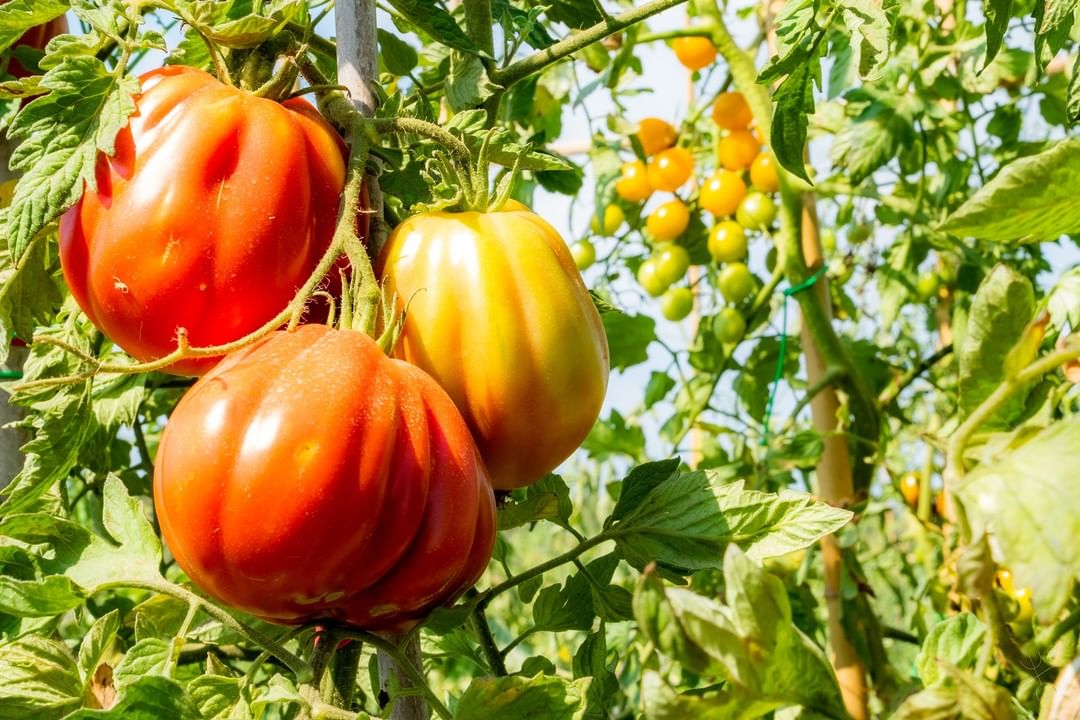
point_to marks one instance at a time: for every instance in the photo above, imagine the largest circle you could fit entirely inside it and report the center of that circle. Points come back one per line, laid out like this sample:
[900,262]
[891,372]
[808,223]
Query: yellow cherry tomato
[909,488]
[1024,609]
[677,303]
[613,220]
[763,173]
[736,283]
[722,193]
[633,185]
[727,242]
[540,351]
[655,135]
[668,221]
[672,262]
[737,150]
[648,277]
[731,112]
[669,170]
[695,52]
[584,253]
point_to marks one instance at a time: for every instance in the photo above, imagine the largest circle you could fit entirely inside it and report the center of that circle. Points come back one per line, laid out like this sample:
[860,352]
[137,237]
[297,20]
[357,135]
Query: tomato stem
[407,668]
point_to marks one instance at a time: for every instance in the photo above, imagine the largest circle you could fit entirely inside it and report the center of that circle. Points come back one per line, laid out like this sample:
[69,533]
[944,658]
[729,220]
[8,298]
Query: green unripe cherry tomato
[650,280]
[729,326]
[927,284]
[727,242]
[613,219]
[677,303]
[736,283]
[828,240]
[859,233]
[672,262]
[840,270]
[756,211]
[584,254]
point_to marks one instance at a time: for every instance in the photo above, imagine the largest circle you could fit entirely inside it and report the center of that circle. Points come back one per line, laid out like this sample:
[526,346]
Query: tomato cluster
[307,475]
[736,193]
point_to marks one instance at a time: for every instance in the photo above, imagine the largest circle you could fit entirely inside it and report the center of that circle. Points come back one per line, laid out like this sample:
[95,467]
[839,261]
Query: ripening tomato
[670,169]
[926,285]
[214,211]
[737,150]
[633,184]
[500,317]
[731,112]
[672,262]
[311,477]
[729,326]
[655,135]
[763,173]
[649,278]
[727,242]
[36,38]
[756,211]
[909,488]
[677,303]
[722,193]
[694,52]
[613,220]
[736,283]
[584,253]
[668,221]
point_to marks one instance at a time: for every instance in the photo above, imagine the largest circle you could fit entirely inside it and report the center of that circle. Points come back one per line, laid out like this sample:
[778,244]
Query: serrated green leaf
[38,679]
[687,521]
[1000,311]
[468,85]
[614,436]
[870,140]
[794,100]
[144,658]
[958,640]
[536,507]
[148,698]
[629,337]
[998,13]
[217,697]
[18,16]
[1072,101]
[280,690]
[542,696]
[61,135]
[32,293]
[1028,502]
[96,642]
[641,481]
[399,56]
[1030,200]
[866,20]
[39,598]
[432,18]
[1063,301]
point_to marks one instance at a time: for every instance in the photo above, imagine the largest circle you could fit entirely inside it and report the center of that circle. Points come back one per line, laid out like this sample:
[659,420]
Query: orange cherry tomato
[909,488]
[633,185]
[669,170]
[763,173]
[737,150]
[694,52]
[731,112]
[668,221]
[722,193]
[655,135]
[311,477]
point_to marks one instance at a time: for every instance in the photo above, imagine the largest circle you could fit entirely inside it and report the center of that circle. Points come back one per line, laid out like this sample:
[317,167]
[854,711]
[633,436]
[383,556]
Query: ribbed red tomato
[216,208]
[310,476]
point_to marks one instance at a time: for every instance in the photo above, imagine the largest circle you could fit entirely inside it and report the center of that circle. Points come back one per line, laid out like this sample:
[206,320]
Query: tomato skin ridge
[309,477]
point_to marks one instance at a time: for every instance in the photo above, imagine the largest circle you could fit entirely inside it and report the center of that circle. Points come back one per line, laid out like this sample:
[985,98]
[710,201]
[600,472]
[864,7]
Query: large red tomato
[499,315]
[312,477]
[215,209]
[37,38]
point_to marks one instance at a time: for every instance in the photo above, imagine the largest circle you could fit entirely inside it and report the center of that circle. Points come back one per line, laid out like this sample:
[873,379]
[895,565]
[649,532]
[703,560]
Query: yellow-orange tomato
[722,193]
[668,221]
[633,185]
[731,112]
[655,135]
[500,317]
[727,242]
[694,53]
[909,488]
[737,150]
[670,169]
[763,174]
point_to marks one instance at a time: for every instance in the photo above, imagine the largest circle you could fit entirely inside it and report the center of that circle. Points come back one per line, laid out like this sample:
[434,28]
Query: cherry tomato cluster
[307,475]
[736,195]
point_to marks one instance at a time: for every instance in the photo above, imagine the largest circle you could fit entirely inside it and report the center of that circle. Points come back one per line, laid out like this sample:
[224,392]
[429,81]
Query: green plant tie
[10,375]
[779,374]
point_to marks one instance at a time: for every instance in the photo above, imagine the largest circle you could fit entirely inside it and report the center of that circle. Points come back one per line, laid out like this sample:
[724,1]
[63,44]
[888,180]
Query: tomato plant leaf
[147,698]
[96,642]
[687,520]
[30,296]
[280,690]
[641,481]
[1053,21]
[432,18]
[871,139]
[1030,200]
[399,56]
[39,598]
[794,100]
[218,697]
[146,657]
[61,135]
[38,679]
[628,337]
[867,22]
[1027,502]
[958,640]
[615,437]
[1072,106]
[1063,301]
[18,16]
[1000,311]
[541,696]
[998,13]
